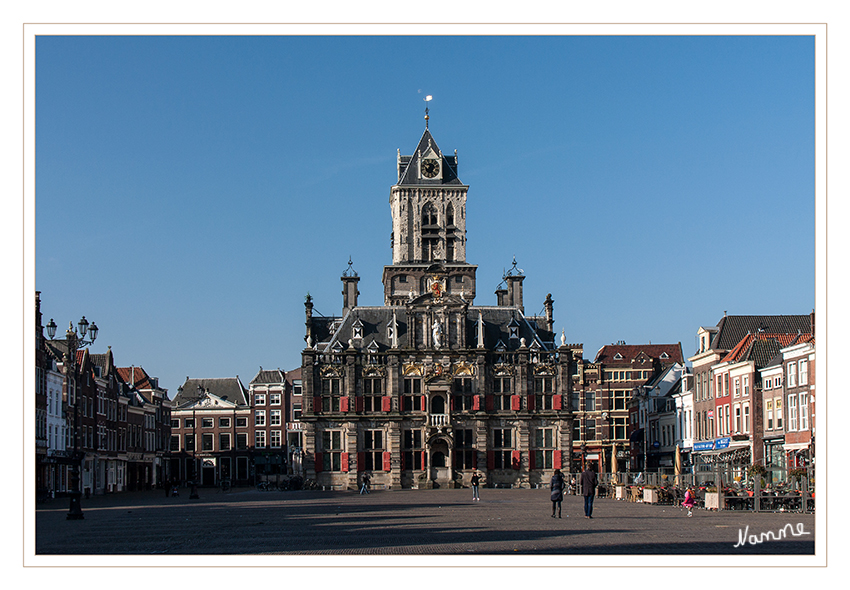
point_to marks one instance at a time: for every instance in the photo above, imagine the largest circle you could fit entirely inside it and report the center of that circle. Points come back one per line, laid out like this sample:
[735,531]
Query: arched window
[429,215]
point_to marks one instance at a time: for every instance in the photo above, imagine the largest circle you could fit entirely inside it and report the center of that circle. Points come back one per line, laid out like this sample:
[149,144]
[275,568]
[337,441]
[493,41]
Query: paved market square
[403,522]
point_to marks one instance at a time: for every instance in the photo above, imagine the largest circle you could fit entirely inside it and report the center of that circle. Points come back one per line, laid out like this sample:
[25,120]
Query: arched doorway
[441,465]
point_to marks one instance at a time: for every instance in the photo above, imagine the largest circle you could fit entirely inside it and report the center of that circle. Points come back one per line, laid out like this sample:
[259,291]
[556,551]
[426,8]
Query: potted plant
[620,491]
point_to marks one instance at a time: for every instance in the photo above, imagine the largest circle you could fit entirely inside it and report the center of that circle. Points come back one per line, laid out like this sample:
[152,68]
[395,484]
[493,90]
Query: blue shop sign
[704,446]
[722,443]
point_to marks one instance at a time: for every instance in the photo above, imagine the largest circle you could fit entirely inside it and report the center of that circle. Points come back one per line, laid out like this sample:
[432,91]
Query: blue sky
[191,190]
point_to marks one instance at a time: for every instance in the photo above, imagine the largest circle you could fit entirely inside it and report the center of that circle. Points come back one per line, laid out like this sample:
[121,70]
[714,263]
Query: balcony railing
[438,420]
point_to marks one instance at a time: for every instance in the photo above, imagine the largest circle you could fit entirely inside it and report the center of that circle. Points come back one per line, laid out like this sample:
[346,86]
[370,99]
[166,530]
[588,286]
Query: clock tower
[428,206]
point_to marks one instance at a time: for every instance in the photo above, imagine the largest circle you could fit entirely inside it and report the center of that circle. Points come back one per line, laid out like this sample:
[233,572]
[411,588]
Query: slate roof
[409,175]
[265,376]
[732,329]
[376,320]
[607,353]
[229,388]
[102,360]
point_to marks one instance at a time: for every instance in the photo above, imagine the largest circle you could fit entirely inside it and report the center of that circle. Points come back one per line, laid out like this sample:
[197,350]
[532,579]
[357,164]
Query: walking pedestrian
[364,488]
[588,489]
[689,501]
[557,486]
[476,481]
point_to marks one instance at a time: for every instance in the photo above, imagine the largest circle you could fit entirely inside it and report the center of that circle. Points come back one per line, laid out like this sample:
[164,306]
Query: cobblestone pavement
[402,522]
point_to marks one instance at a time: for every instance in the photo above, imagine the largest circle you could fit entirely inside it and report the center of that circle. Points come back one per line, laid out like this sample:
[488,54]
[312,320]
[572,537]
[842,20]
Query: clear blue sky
[191,190]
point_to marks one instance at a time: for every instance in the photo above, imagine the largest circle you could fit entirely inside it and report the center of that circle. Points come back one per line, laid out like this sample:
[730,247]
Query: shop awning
[795,446]
[636,435]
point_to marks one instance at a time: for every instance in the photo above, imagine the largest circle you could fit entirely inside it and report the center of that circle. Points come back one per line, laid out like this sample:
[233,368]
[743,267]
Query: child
[689,501]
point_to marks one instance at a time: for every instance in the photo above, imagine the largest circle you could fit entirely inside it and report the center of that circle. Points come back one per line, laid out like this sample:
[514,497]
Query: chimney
[349,289]
[308,309]
[515,291]
[501,297]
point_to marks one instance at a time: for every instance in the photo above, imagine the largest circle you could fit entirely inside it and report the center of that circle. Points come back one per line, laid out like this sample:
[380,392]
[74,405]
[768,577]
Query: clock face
[430,168]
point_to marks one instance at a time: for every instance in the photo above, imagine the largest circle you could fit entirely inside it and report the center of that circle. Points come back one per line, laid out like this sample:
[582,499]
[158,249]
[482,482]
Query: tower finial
[427,99]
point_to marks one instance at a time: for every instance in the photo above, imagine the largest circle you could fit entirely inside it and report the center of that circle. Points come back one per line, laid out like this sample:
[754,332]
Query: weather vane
[427,99]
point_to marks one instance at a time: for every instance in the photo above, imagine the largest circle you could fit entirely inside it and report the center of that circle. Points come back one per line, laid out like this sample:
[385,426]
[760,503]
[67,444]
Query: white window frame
[804,372]
[792,412]
[259,417]
[260,439]
[804,411]
[275,436]
[792,375]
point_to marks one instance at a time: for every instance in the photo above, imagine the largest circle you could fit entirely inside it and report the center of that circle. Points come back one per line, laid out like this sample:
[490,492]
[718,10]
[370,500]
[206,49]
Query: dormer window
[513,329]
[337,347]
[665,356]
[373,347]
[357,329]
[618,357]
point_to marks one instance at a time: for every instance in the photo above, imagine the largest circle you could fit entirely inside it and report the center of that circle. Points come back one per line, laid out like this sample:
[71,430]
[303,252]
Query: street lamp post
[75,342]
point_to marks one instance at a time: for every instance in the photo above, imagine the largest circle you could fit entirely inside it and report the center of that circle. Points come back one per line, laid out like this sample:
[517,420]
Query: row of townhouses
[431,386]
[99,428]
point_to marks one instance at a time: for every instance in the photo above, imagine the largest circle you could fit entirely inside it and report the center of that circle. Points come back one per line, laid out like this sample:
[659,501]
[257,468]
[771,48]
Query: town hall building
[432,386]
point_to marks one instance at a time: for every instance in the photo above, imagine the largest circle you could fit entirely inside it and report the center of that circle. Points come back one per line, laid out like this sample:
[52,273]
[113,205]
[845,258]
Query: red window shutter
[491,459]
[318,461]
[317,404]
[530,402]
[556,402]
[532,460]
[387,461]
[361,461]
[476,402]
[423,403]
[452,403]
[515,403]
[556,460]
[386,403]
[343,403]
[515,459]
[344,461]
[424,462]
[488,403]
[358,404]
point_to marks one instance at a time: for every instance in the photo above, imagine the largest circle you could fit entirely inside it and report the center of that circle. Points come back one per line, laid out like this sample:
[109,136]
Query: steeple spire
[427,99]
